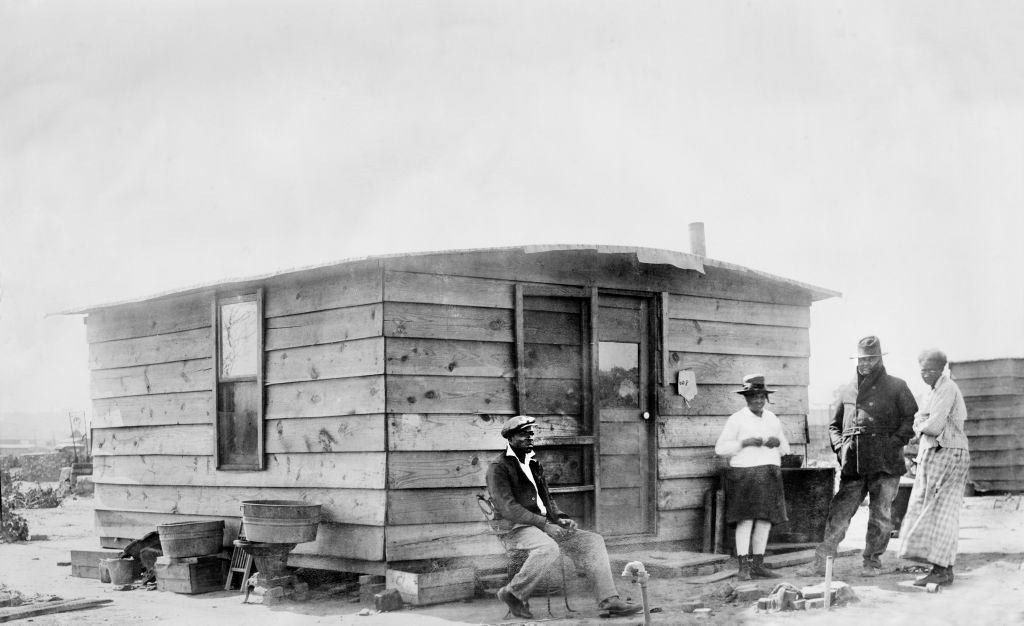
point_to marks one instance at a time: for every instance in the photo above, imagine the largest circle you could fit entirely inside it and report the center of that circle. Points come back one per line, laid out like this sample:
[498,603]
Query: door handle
[646,415]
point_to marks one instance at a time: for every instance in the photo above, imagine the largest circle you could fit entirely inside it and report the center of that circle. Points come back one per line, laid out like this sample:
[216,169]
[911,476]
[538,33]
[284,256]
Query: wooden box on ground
[86,563]
[433,587]
[197,574]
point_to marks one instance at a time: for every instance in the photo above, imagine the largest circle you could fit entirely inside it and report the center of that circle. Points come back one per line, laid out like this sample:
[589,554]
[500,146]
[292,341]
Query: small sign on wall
[686,385]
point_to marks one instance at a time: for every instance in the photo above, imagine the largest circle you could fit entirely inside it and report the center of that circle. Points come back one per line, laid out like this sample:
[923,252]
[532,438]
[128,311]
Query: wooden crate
[445,585]
[198,574]
[86,563]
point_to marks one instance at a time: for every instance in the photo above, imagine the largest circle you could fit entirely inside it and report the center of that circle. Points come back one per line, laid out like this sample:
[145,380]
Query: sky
[872,148]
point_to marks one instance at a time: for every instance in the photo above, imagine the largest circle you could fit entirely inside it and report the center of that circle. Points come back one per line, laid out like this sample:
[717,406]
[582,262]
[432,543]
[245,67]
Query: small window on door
[238,321]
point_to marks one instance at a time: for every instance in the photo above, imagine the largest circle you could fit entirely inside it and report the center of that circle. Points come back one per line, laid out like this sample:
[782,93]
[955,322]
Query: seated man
[524,507]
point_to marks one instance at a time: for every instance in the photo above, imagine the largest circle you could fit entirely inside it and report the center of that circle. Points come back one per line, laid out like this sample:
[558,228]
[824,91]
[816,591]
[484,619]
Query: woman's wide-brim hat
[868,347]
[754,383]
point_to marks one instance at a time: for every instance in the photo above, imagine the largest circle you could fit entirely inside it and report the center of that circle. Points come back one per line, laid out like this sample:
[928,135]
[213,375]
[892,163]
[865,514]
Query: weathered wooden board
[177,346]
[183,440]
[619,510]
[426,432]
[151,318]
[442,394]
[998,485]
[620,438]
[616,324]
[552,396]
[434,506]
[194,407]
[995,407]
[345,433]
[681,524]
[611,271]
[723,400]
[180,376]
[736,311]
[1001,386]
[323,398]
[330,326]
[434,541]
[437,321]
[427,470]
[553,361]
[345,359]
[984,443]
[975,428]
[336,564]
[987,369]
[446,289]
[996,458]
[1009,472]
[704,430]
[683,493]
[689,463]
[621,471]
[437,357]
[729,369]
[333,289]
[729,338]
[551,327]
[350,470]
[350,506]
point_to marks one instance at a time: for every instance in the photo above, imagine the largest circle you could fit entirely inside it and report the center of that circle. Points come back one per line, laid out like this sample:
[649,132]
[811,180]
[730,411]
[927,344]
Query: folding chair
[241,563]
[516,557]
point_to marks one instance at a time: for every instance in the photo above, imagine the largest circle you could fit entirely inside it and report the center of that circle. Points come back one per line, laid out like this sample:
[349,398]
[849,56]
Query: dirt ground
[989,588]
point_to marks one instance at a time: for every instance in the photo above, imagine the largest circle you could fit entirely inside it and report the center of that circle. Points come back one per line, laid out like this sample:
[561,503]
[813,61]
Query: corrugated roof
[651,256]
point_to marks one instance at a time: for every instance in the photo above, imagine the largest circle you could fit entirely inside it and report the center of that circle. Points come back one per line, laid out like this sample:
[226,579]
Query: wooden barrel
[183,539]
[280,521]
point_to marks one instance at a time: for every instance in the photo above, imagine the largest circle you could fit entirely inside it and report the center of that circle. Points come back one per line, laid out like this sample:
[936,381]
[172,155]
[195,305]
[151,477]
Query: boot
[757,568]
[744,572]
[939,575]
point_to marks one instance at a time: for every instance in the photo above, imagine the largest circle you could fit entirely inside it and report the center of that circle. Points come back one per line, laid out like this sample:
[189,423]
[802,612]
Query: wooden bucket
[280,521]
[120,571]
[184,539]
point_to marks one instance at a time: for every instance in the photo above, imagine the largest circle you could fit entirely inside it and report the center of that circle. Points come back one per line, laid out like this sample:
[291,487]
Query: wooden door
[625,437]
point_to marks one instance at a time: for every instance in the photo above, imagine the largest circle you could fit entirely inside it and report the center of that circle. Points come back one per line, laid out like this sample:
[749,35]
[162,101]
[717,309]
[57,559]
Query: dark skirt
[754,493]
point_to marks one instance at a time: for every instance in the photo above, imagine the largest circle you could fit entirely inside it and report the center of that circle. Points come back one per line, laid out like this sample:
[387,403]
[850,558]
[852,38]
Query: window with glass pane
[239,382]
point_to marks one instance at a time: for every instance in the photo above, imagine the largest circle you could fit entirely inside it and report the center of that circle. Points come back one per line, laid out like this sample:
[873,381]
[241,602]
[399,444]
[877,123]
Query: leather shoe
[870,571]
[515,606]
[939,575]
[617,607]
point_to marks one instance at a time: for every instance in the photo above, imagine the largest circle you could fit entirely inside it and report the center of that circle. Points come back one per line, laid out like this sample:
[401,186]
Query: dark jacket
[515,500]
[872,422]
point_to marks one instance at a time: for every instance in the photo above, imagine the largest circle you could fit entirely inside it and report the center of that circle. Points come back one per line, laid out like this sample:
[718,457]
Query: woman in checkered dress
[932,523]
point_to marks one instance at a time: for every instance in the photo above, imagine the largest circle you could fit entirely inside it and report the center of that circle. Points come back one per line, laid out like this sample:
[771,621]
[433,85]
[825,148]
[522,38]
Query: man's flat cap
[517,423]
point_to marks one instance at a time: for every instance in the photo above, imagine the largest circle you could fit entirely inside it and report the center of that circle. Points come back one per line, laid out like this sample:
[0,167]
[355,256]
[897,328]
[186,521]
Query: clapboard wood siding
[436,506]
[323,398]
[737,311]
[433,541]
[350,506]
[447,289]
[178,346]
[727,369]
[150,318]
[160,409]
[436,321]
[434,357]
[332,289]
[345,433]
[426,432]
[729,338]
[701,431]
[178,440]
[443,394]
[722,400]
[179,376]
[354,470]
[344,359]
[333,325]
[683,493]
[994,393]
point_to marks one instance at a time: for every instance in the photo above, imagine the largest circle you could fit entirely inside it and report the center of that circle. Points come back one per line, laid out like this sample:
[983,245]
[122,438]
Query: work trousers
[882,489]
[586,549]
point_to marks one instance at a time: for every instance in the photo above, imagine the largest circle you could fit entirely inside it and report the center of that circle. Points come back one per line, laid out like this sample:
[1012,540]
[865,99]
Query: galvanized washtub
[185,539]
[280,521]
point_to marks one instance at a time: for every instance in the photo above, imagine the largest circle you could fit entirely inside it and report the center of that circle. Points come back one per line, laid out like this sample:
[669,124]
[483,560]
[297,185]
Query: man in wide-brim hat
[527,518]
[870,424]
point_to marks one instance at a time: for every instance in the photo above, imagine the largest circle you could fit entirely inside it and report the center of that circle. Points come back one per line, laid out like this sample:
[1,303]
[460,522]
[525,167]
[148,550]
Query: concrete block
[748,592]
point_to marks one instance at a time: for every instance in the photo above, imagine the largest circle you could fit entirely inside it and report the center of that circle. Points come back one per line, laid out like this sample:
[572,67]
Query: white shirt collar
[526,459]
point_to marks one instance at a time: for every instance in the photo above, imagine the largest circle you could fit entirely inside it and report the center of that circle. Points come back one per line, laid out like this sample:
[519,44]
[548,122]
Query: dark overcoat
[515,499]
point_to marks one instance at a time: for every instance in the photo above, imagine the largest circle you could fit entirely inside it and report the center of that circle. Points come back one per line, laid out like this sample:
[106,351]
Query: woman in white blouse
[754,442]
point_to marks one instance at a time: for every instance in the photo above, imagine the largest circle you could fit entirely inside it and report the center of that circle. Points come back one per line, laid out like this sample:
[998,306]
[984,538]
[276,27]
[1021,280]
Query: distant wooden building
[378,387]
[994,392]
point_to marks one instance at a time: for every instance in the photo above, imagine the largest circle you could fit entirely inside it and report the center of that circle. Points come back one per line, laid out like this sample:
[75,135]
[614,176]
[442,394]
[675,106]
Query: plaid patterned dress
[932,523]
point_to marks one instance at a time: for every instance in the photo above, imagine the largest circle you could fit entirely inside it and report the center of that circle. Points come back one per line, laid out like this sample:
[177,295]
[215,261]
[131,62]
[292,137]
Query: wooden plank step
[777,561]
[671,564]
[47,608]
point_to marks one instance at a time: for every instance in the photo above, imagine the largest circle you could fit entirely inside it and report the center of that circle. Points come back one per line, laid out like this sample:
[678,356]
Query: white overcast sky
[874,148]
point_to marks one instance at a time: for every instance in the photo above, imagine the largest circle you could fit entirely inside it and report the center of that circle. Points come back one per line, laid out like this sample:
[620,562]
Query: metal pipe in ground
[828,583]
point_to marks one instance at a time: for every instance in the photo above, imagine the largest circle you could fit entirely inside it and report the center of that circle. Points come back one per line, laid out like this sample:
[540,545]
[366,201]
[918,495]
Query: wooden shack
[994,393]
[377,387]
